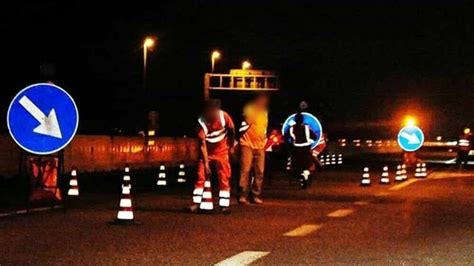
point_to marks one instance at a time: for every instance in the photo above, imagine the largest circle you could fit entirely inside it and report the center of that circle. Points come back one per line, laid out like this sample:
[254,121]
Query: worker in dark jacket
[302,137]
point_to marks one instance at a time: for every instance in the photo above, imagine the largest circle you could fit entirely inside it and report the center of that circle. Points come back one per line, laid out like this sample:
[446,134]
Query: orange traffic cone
[207,204]
[162,176]
[127,181]
[384,180]
[424,173]
[404,172]
[73,184]
[333,159]
[288,164]
[181,173]
[125,214]
[418,170]
[322,160]
[398,174]
[339,158]
[365,177]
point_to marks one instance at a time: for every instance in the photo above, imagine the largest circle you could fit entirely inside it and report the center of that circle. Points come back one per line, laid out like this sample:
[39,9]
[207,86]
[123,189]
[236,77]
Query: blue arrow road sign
[42,118]
[410,138]
[310,120]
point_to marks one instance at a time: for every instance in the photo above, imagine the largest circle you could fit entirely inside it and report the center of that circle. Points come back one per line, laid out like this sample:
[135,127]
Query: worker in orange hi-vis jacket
[216,135]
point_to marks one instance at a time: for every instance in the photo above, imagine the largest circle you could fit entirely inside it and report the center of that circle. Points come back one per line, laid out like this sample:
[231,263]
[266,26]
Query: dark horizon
[364,63]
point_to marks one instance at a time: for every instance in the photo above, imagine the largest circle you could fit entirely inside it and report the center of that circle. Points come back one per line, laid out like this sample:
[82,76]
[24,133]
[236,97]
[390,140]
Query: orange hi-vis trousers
[222,167]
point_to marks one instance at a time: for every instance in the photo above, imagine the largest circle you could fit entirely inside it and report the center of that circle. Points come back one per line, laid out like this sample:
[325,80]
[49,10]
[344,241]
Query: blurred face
[467,131]
[211,113]
[262,102]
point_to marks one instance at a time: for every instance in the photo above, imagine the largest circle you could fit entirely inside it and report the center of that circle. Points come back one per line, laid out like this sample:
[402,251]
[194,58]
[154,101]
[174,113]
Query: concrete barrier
[93,153]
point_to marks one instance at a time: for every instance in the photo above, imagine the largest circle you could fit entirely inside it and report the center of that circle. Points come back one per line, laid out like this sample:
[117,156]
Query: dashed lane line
[340,213]
[303,230]
[404,184]
[243,258]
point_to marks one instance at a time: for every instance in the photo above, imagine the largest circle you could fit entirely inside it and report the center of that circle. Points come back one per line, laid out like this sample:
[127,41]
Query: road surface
[335,222]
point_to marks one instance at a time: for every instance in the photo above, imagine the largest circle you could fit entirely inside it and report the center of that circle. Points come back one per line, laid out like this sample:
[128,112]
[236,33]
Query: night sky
[362,66]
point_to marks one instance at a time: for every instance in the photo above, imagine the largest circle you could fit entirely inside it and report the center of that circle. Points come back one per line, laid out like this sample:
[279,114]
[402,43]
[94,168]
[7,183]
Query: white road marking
[243,258]
[340,213]
[404,184]
[303,230]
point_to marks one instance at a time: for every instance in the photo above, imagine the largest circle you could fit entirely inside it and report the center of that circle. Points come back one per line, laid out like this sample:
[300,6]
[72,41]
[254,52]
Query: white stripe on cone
[73,182]
[197,199]
[125,215]
[206,206]
[125,203]
[73,192]
[224,202]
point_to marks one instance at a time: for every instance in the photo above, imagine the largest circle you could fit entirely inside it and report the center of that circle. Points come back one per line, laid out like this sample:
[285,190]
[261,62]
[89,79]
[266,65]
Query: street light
[246,65]
[215,55]
[148,43]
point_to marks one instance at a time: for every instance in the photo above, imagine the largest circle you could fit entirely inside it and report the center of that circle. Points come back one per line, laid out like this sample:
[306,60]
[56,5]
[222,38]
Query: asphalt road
[335,222]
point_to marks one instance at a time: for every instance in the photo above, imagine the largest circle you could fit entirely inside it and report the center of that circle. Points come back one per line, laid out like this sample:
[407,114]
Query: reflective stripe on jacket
[217,135]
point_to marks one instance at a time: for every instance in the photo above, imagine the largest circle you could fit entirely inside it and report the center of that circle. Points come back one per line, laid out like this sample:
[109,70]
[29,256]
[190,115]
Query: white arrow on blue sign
[308,119]
[42,118]
[410,138]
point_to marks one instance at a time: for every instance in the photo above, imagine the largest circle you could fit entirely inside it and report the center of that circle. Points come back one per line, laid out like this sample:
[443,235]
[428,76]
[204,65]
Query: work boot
[303,183]
[193,208]
[243,200]
[257,200]
[225,210]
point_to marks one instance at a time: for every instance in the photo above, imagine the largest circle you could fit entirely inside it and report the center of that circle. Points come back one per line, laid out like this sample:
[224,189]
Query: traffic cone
[385,177]
[339,158]
[398,174]
[322,161]
[288,164]
[207,204]
[365,177]
[424,173]
[73,184]
[181,173]
[333,159]
[125,214]
[418,170]
[126,180]
[404,172]
[162,176]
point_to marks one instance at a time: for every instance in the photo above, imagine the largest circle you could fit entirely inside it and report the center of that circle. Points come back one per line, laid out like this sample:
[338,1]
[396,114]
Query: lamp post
[215,55]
